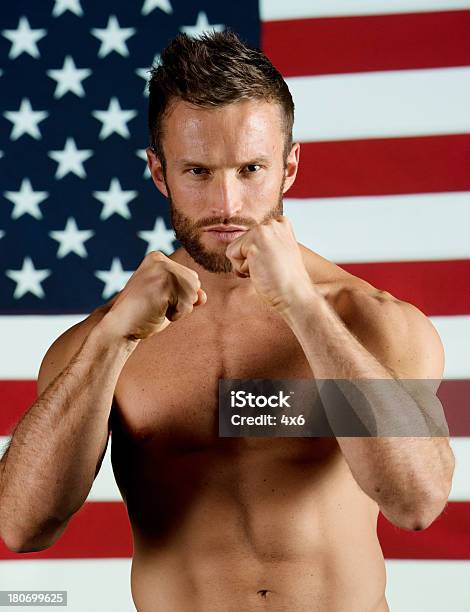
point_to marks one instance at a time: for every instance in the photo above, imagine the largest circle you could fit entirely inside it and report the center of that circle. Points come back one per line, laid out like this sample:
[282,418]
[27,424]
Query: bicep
[398,335]
[406,344]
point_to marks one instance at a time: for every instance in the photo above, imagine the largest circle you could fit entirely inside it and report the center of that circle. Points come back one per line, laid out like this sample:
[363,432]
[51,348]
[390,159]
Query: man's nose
[225,196]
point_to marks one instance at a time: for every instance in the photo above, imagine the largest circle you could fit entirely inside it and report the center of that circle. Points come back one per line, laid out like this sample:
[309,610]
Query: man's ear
[292,165]
[156,170]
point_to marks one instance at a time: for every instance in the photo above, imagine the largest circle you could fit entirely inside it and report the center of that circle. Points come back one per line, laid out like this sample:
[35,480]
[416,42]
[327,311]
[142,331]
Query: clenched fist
[158,292]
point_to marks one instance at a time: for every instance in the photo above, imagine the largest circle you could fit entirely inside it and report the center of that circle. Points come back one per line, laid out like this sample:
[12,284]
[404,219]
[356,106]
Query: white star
[71,239]
[113,37]
[158,239]
[114,279]
[25,120]
[114,119]
[69,78]
[150,5]
[24,39]
[61,6]
[28,279]
[70,159]
[115,200]
[202,25]
[145,72]
[2,233]
[143,155]
[26,200]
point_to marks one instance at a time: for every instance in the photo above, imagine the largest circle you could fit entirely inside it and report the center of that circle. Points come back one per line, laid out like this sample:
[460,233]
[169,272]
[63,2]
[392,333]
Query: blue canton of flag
[78,210]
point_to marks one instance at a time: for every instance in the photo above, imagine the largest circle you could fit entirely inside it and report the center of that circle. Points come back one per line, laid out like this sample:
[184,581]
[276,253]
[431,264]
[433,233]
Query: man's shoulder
[364,308]
[359,303]
[394,330]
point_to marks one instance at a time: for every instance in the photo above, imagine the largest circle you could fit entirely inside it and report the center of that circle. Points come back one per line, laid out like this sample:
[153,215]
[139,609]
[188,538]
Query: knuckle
[184,307]
[155,256]
[190,275]
[194,278]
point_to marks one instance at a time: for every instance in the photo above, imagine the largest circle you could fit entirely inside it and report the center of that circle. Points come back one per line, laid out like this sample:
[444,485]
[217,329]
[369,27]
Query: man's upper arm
[406,344]
[397,333]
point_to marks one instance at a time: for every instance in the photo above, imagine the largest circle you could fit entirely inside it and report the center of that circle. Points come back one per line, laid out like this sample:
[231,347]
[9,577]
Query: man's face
[224,166]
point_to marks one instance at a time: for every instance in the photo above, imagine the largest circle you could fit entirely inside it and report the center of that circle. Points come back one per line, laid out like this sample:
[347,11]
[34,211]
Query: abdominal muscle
[258,531]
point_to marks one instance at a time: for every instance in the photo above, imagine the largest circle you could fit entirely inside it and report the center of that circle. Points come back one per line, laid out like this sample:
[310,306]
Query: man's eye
[251,167]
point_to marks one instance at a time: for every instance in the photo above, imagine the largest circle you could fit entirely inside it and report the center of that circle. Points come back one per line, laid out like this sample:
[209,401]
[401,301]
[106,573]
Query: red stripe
[453,394]
[331,45]
[383,166]
[102,530]
[447,538]
[15,397]
[435,287]
[97,530]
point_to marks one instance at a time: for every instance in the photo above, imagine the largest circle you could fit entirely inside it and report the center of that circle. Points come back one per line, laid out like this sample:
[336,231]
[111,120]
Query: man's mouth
[226,228]
[225,234]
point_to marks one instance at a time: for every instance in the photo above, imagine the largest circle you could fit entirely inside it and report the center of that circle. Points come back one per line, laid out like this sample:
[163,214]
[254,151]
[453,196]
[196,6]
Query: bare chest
[168,389]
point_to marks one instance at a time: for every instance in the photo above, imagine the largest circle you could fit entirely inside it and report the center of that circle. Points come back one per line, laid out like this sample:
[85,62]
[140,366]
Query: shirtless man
[239,524]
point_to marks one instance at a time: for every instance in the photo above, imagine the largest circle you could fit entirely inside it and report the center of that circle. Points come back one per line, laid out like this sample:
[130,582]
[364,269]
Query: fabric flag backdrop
[382,94]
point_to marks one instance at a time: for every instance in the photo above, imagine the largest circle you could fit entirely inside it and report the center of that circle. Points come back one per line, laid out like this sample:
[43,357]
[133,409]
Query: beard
[189,234]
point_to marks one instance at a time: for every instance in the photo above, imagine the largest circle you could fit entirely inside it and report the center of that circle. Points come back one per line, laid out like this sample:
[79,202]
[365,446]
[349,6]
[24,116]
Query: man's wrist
[107,334]
[302,307]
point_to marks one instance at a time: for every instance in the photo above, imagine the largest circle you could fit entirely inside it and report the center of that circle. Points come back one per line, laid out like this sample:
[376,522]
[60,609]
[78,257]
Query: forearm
[403,474]
[50,464]
[400,475]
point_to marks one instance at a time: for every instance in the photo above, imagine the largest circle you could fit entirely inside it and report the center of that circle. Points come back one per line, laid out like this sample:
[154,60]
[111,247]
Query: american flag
[382,95]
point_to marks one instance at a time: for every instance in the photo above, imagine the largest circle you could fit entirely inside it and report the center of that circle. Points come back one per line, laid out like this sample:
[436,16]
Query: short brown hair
[214,69]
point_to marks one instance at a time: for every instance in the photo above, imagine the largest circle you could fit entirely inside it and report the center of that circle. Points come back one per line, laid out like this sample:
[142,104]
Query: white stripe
[105,488]
[381,104]
[272,10]
[455,335]
[460,482]
[432,586]
[3,444]
[24,360]
[104,584]
[417,227]
[91,584]
[25,340]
